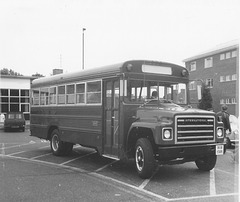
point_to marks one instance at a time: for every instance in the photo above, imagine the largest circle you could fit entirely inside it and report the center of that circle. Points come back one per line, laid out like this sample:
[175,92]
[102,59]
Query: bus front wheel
[59,147]
[144,159]
[206,163]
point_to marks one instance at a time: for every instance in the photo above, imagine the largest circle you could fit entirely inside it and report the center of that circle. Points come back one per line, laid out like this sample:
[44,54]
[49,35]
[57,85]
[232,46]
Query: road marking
[43,147]
[66,162]
[226,172]
[3,149]
[202,197]
[212,182]
[18,145]
[35,157]
[16,153]
[129,185]
[103,167]
[145,182]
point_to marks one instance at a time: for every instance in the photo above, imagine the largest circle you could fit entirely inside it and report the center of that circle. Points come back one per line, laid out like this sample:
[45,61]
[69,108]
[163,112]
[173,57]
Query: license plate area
[219,149]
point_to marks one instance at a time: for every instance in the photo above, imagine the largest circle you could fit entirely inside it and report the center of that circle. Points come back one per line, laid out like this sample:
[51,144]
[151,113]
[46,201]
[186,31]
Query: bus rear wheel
[58,147]
[144,159]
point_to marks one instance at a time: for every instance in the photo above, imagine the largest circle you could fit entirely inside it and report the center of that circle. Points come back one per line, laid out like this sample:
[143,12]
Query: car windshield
[144,91]
[10,116]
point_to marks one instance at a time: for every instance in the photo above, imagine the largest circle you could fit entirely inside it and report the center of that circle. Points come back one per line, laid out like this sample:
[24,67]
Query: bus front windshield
[142,91]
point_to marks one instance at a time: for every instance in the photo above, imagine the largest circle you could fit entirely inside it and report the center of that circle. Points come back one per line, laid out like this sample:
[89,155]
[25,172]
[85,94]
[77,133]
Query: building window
[234,77]
[192,85]
[222,56]
[228,55]
[222,78]
[227,101]
[14,92]
[192,66]
[234,54]
[222,101]
[228,78]
[4,92]
[208,62]
[209,83]
[233,100]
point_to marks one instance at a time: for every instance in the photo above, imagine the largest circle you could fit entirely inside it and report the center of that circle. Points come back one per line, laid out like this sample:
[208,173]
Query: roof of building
[217,49]
[17,77]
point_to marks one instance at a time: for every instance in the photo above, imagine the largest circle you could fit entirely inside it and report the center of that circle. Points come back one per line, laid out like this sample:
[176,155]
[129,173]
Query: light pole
[83,47]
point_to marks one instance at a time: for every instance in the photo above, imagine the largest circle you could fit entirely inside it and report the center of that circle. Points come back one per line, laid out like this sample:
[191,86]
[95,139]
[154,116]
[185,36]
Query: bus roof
[93,73]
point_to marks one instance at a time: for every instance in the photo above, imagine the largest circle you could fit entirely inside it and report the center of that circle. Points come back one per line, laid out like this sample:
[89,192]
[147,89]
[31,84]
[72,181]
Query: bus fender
[140,130]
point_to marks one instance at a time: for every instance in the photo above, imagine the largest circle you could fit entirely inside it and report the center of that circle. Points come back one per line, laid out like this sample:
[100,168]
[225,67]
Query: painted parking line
[19,145]
[105,166]
[66,162]
[36,157]
[212,182]
[12,154]
[145,182]
[226,172]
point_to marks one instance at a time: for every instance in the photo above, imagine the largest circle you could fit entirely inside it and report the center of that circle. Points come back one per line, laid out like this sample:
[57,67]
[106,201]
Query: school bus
[112,109]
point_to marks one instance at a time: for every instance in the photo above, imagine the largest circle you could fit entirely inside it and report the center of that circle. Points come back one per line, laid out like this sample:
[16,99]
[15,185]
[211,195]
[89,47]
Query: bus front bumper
[186,153]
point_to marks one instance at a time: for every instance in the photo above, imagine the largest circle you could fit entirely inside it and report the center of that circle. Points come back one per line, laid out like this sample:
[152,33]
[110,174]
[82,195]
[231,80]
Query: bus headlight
[220,133]
[167,134]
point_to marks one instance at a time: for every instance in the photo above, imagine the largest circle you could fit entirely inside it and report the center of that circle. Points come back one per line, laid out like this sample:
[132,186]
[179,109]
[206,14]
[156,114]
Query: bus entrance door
[111,118]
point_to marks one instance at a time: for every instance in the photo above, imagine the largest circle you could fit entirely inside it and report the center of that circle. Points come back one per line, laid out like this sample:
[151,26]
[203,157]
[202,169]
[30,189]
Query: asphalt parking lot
[20,153]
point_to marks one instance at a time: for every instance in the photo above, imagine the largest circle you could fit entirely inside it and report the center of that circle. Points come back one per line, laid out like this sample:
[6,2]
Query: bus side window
[52,95]
[35,97]
[44,96]
[94,92]
[70,94]
[80,93]
[61,94]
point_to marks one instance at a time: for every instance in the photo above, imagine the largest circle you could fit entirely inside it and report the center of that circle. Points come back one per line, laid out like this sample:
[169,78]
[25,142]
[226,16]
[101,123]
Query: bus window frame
[74,94]
[81,103]
[101,92]
[63,95]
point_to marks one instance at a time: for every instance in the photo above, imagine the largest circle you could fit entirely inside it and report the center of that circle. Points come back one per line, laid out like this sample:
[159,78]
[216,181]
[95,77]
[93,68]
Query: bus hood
[156,113]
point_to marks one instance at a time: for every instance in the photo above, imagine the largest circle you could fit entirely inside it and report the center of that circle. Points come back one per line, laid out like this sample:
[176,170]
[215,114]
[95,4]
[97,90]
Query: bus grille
[194,129]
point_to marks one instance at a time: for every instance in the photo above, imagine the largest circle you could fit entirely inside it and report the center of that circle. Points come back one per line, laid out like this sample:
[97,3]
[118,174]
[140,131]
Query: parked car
[233,137]
[14,120]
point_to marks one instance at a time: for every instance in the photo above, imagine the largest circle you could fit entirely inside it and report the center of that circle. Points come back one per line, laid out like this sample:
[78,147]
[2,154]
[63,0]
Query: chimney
[57,71]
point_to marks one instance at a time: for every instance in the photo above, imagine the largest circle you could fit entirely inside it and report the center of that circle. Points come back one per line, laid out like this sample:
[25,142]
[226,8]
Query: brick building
[219,70]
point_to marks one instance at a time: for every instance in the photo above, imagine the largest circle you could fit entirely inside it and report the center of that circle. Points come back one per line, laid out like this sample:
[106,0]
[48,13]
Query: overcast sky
[40,35]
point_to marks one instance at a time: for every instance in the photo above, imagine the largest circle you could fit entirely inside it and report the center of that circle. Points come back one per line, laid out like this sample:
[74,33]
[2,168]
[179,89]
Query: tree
[6,71]
[206,101]
[37,75]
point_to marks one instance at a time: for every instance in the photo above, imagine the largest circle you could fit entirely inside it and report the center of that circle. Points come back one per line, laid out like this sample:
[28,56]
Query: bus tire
[68,148]
[58,147]
[144,159]
[206,163]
